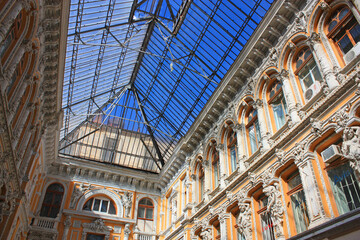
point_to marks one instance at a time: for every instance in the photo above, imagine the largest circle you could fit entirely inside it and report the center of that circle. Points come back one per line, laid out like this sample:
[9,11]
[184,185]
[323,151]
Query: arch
[93,193]
[45,187]
[154,201]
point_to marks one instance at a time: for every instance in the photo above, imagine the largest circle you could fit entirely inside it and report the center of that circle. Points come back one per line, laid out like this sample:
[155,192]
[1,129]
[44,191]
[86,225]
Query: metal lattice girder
[173,53]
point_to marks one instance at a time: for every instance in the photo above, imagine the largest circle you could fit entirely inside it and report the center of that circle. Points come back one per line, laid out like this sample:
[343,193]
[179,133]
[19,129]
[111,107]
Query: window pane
[141,213]
[345,44]
[294,181]
[94,237]
[104,206]
[233,158]
[279,115]
[300,211]
[48,198]
[96,205]
[267,227]
[345,188]
[316,73]
[149,213]
[355,32]
[88,205]
[56,187]
[112,209]
[54,212]
[57,199]
[252,139]
[44,211]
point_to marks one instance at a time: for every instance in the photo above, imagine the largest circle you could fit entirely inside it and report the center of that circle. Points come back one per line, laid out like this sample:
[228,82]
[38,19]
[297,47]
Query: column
[223,164]
[67,225]
[240,143]
[224,223]
[313,201]
[289,96]
[258,105]
[325,64]
[207,182]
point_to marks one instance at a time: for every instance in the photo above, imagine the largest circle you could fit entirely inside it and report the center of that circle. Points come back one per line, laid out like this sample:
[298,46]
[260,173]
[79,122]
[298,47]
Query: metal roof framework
[138,73]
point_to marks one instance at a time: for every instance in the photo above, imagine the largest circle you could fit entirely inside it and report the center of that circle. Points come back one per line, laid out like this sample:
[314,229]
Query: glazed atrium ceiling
[138,73]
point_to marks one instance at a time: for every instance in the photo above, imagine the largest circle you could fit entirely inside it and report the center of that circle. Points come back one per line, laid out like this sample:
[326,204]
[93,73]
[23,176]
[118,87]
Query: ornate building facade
[275,153]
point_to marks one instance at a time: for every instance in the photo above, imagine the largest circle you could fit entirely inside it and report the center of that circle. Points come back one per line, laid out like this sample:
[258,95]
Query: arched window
[52,201]
[100,205]
[232,149]
[253,130]
[146,209]
[266,223]
[308,73]
[343,29]
[276,101]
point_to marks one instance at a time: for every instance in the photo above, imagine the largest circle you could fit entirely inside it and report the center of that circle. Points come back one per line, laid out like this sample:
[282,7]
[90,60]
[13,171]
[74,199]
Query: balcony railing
[45,223]
[144,236]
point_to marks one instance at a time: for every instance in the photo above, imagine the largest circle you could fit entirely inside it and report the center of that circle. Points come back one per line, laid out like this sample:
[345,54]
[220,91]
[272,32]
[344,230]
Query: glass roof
[138,73]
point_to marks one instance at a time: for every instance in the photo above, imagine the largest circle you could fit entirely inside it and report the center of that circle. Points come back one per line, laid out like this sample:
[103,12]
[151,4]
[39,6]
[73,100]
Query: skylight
[138,73]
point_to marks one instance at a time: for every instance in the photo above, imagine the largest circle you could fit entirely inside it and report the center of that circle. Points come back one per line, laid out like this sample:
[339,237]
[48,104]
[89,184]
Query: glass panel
[94,237]
[112,208]
[279,115]
[345,188]
[294,181]
[48,198]
[345,44]
[149,213]
[252,137]
[257,128]
[332,25]
[54,212]
[216,174]
[141,212]
[57,199]
[233,158]
[104,206]
[299,209]
[316,73]
[44,211]
[143,201]
[343,12]
[355,32]
[267,227]
[88,205]
[96,205]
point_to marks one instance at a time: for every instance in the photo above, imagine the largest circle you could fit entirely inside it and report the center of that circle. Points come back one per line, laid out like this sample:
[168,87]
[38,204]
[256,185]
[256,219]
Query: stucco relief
[244,220]
[97,226]
[126,200]
[351,147]
[275,208]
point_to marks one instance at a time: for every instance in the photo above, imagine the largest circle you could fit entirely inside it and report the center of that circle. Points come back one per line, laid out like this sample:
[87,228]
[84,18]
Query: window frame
[101,199]
[250,123]
[341,25]
[52,205]
[145,210]
[232,145]
[283,102]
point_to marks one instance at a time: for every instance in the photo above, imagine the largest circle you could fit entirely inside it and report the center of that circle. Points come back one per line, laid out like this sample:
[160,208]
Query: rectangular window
[91,236]
[345,188]
[298,203]
[267,227]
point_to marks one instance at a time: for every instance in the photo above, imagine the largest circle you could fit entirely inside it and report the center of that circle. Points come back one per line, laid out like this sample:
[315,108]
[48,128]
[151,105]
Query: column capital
[313,39]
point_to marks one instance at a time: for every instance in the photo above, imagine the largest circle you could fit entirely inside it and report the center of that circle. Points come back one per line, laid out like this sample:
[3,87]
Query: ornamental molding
[351,147]
[276,209]
[78,191]
[97,226]
[244,220]
[127,200]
